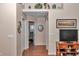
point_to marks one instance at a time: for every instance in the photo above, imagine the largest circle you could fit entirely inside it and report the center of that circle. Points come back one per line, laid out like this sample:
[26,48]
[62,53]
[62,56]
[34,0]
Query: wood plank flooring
[39,50]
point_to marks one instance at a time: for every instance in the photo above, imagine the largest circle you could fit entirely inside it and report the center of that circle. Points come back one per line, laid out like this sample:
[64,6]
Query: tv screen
[68,35]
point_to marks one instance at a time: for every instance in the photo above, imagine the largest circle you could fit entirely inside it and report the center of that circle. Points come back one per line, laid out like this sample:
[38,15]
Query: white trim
[26,35]
[35,10]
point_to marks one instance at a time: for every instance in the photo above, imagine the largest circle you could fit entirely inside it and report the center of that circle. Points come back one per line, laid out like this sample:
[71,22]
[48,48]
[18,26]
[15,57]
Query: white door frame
[27,33]
[24,36]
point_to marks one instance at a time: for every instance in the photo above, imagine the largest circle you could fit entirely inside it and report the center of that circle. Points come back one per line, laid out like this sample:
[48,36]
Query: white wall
[20,36]
[40,36]
[8,29]
[23,36]
[70,11]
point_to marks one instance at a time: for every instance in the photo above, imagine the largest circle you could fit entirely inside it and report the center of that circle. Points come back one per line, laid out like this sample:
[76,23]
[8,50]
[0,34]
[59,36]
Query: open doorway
[37,32]
[31,33]
[37,28]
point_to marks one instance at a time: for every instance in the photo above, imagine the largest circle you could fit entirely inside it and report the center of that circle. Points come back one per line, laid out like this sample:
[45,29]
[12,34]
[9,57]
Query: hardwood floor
[39,50]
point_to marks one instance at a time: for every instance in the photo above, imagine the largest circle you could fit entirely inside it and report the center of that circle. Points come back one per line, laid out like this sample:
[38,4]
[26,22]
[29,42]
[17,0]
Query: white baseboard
[40,44]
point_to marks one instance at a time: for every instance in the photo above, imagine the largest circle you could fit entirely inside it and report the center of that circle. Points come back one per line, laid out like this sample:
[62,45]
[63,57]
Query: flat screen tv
[68,35]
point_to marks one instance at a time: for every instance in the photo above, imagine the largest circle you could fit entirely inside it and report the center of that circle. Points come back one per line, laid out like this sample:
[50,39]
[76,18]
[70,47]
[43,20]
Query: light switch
[10,36]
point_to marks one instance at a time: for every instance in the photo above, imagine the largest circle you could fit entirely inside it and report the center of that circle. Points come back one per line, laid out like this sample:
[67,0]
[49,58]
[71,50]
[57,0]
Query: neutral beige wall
[40,36]
[8,29]
[19,35]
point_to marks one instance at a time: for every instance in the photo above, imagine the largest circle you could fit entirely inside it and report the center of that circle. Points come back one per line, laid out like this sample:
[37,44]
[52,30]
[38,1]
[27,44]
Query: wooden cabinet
[64,48]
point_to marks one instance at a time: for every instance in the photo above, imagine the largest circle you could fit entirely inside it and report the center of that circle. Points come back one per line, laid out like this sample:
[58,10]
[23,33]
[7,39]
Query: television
[68,35]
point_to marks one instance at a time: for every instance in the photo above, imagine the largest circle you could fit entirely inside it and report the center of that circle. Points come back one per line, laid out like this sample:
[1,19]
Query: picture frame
[19,27]
[40,28]
[66,23]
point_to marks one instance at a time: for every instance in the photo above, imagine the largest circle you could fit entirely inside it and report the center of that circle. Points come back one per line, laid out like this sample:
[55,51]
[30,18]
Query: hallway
[39,50]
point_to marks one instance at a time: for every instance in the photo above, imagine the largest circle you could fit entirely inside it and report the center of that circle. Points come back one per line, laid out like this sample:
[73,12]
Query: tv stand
[67,48]
[69,42]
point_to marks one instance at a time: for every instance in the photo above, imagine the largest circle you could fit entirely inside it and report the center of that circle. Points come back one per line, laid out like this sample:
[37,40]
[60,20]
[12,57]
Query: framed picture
[19,27]
[66,23]
[40,28]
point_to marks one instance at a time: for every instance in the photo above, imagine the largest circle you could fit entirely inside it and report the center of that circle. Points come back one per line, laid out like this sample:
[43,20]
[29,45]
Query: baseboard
[39,44]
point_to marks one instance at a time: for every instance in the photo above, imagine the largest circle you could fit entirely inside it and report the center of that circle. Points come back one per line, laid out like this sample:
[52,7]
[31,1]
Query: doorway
[37,28]
[37,32]
[31,33]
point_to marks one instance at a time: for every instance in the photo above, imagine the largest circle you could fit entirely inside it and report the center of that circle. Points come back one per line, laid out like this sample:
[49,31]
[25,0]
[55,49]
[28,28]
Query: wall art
[66,23]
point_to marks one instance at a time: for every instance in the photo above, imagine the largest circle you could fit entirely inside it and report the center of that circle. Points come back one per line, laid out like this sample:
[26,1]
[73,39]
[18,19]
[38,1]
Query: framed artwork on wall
[40,28]
[19,27]
[66,23]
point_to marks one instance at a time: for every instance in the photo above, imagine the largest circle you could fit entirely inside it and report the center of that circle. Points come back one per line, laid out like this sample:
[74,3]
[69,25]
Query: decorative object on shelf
[66,23]
[19,27]
[38,6]
[61,54]
[54,6]
[77,49]
[29,7]
[69,48]
[77,54]
[40,28]
[46,6]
